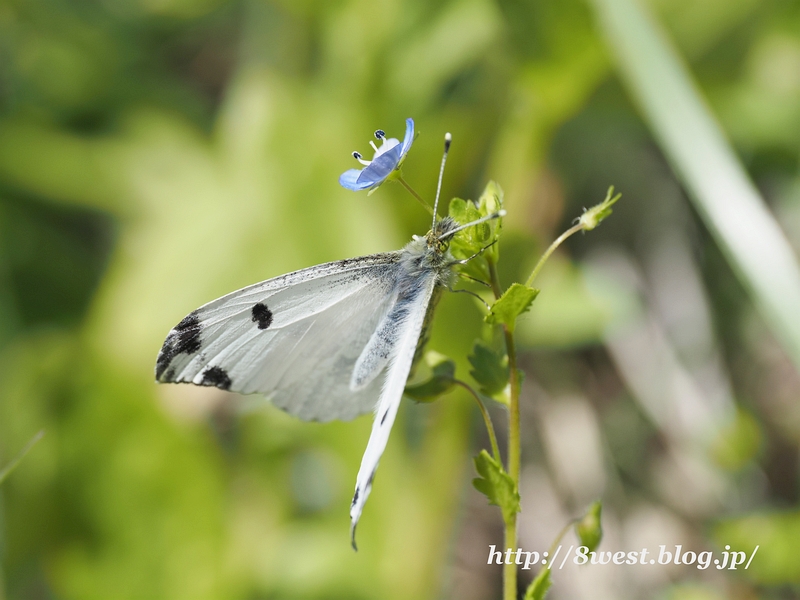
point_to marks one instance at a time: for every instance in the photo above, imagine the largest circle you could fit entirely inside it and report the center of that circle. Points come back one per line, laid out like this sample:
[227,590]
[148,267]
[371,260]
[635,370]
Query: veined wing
[294,338]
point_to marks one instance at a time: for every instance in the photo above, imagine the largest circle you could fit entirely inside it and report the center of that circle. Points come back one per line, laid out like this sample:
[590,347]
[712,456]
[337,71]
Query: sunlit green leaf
[481,238]
[515,300]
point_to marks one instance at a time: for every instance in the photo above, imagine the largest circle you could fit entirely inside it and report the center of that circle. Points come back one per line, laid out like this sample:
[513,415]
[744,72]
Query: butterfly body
[328,342]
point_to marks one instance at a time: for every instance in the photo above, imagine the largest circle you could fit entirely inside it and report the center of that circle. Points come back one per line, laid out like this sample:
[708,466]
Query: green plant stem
[510,571]
[558,539]
[559,240]
[486,418]
[415,194]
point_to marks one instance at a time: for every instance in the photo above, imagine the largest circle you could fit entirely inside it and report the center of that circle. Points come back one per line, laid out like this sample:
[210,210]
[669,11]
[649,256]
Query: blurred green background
[155,154]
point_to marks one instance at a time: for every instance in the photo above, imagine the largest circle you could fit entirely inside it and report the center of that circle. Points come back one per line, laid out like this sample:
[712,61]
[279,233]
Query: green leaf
[496,485]
[591,218]
[589,529]
[472,240]
[489,369]
[440,372]
[539,586]
[515,300]
[465,243]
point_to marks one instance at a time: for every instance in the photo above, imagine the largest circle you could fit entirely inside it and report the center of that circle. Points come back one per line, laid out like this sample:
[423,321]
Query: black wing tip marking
[217,377]
[183,339]
[262,315]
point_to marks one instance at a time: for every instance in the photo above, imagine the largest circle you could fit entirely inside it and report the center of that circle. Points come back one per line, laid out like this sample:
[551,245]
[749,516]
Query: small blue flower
[386,161]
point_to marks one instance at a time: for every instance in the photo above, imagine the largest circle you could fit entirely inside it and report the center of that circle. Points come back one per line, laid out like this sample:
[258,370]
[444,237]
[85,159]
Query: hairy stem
[486,418]
[510,571]
[404,183]
[559,240]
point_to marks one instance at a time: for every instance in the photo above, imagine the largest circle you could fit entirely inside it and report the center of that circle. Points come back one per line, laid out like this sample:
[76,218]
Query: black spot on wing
[183,339]
[262,315]
[383,418]
[216,376]
[355,498]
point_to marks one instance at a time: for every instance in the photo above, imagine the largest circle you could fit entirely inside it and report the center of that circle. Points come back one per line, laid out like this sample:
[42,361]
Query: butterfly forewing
[294,338]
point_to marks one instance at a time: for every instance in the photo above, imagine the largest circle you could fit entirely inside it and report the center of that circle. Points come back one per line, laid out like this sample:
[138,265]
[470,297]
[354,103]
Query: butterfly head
[438,239]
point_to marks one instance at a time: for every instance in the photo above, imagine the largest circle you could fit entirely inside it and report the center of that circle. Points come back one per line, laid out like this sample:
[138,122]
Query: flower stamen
[359,158]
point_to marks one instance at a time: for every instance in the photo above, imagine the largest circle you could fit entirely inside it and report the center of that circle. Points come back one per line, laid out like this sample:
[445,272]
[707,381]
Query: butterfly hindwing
[406,319]
[294,338]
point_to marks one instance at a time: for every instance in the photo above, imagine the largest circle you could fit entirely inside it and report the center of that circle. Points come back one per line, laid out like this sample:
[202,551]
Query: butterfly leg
[471,293]
[475,279]
[469,258]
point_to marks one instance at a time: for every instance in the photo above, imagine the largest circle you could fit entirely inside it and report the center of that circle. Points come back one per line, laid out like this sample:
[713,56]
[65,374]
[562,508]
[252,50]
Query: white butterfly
[324,342]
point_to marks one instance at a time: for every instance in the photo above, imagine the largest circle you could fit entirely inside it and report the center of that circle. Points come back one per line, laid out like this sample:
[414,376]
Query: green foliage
[480,238]
[439,379]
[489,370]
[496,485]
[515,301]
[156,155]
[589,529]
[538,588]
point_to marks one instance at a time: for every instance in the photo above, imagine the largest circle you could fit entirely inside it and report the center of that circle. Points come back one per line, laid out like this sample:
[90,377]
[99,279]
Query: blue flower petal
[380,168]
[382,165]
[409,138]
[349,180]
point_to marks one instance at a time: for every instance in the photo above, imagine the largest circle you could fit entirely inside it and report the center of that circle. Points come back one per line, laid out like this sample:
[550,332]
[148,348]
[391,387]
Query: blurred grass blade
[13,464]
[694,144]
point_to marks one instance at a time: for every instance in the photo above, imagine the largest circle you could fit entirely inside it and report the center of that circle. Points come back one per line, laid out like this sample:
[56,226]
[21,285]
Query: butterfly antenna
[447,140]
[452,232]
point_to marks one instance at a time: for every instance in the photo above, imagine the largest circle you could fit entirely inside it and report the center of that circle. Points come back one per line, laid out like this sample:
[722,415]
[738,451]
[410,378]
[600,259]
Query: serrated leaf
[489,369]
[464,243]
[496,485]
[515,300]
[589,529]
[539,586]
[441,371]
[472,240]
